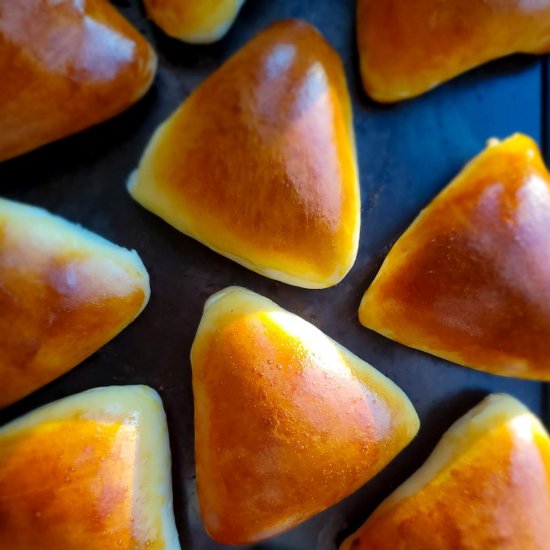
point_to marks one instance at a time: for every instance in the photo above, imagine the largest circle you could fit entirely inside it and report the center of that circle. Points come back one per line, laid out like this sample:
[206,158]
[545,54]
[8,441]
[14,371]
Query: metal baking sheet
[407,153]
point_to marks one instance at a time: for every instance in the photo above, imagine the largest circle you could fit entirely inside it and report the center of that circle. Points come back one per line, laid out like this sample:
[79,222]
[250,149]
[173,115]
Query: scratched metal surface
[407,153]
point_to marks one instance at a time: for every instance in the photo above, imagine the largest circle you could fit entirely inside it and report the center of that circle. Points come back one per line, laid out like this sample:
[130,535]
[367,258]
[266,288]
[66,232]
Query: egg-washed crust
[407,48]
[64,292]
[89,471]
[194,22]
[259,162]
[287,422]
[66,66]
[469,281]
[486,485]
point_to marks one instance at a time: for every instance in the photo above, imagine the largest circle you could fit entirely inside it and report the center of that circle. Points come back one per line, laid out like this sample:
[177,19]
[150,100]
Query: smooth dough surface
[64,293]
[91,471]
[485,486]
[469,281]
[259,162]
[407,48]
[194,21]
[287,422]
[66,65]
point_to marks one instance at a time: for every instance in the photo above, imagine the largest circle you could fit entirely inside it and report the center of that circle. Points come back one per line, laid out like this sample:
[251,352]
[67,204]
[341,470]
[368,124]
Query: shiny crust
[66,65]
[197,22]
[64,292]
[259,162]
[90,471]
[287,422]
[406,48]
[485,486]
[469,281]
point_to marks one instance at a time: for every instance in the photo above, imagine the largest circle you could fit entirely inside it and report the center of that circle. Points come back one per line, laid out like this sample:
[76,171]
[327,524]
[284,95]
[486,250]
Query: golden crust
[408,48]
[469,281]
[287,422]
[91,471]
[66,65]
[259,162]
[64,292]
[195,22]
[485,486]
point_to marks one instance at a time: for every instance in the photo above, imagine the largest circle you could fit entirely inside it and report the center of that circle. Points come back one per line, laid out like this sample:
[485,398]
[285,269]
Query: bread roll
[485,486]
[194,21]
[64,293]
[469,281]
[287,422]
[259,162]
[66,65]
[90,471]
[407,48]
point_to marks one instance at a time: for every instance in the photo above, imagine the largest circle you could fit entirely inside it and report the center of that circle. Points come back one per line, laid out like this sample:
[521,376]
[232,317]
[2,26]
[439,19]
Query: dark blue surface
[407,153]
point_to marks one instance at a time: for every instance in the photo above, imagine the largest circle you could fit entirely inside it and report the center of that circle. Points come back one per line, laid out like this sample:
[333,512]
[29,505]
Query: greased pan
[407,153]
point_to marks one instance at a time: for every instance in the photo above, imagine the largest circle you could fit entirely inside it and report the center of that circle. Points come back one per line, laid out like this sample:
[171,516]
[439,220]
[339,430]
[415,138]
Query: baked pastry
[66,65]
[195,22]
[64,292]
[89,471]
[469,281]
[406,48]
[287,422]
[259,162]
[485,486]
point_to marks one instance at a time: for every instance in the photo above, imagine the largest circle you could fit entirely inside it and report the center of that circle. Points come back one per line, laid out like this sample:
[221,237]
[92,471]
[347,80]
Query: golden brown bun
[66,65]
[469,281]
[259,162]
[89,472]
[194,21]
[408,47]
[287,422]
[486,486]
[64,292]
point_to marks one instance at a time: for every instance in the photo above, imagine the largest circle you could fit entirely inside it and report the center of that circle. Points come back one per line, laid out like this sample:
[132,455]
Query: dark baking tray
[407,153]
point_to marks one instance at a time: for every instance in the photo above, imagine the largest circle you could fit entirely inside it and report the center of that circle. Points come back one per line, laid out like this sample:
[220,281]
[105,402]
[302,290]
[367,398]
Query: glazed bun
[89,471]
[407,48]
[287,422]
[64,293]
[469,281]
[66,66]
[196,22]
[486,485]
[259,162]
